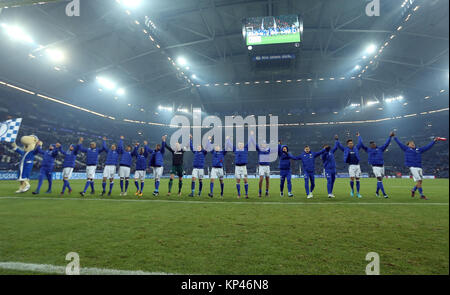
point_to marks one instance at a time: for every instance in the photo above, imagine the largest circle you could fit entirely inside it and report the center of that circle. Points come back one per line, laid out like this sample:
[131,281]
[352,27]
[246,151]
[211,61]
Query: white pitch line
[425,203]
[53,269]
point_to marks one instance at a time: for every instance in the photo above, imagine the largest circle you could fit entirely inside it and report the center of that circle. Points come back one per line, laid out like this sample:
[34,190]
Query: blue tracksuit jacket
[91,155]
[126,158]
[308,160]
[69,157]
[329,162]
[413,157]
[218,157]
[285,158]
[112,157]
[199,157]
[48,160]
[157,159]
[347,150]
[376,154]
[141,160]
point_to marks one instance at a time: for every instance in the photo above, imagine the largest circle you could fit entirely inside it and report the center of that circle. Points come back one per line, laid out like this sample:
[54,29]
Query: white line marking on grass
[425,203]
[53,269]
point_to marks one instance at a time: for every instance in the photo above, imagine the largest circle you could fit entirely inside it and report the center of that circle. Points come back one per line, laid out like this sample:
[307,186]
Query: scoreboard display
[272,30]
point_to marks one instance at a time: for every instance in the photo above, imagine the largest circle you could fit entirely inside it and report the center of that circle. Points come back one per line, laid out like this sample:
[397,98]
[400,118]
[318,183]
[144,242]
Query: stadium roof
[109,40]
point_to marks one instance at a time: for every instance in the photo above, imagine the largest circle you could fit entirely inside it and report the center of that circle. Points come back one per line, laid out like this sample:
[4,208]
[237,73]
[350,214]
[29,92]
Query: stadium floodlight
[130,3]
[357,67]
[392,99]
[355,105]
[106,83]
[17,34]
[120,91]
[183,110]
[181,61]
[194,76]
[168,109]
[55,54]
[370,103]
[371,49]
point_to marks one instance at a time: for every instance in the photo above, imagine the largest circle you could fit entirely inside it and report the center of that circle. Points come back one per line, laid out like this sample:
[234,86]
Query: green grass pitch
[272,235]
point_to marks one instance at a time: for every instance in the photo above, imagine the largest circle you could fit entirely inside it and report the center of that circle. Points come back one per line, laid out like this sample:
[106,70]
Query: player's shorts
[264,171]
[378,171]
[417,173]
[90,172]
[354,171]
[139,175]
[124,172]
[240,172]
[67,172]
[177,170]
[198,173]
[109,171]
[158,172]
[217,173]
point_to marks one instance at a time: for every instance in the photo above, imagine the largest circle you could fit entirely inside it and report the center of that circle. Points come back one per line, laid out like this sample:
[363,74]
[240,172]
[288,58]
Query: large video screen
[272,30]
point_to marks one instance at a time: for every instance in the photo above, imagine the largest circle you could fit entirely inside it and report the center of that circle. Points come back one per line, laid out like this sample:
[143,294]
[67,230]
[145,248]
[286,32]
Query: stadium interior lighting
[120,91]
[16,33]
[371,49]
[130,3]
[55,54]
[183,110]
[106,83]
[194,76]
[355,105]
[181,61]
[370,103]
[392,99]
[168,109]
[357,67]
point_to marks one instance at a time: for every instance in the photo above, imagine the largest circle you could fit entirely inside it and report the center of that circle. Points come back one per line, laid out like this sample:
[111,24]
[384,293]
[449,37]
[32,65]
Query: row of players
[123,156]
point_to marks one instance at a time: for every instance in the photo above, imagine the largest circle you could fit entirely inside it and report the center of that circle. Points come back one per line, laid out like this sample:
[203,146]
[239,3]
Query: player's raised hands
[279,141]
[145,142]
[81,140]
[57,145]
[122,137]
[209,138]
[104,138]
[358,134]
[40,143]
[336,137]
[14,145]
[136,144]
[392,134]
[164,138]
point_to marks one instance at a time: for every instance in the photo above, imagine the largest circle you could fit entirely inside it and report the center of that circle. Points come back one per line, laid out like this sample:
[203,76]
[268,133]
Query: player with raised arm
[112,159]
[70,157]
[177,166]
[352,158]
[413,160]
[264,164]
[285,168]
[217,167]
[157,163]
[48,162]
[198,171]
[308,159]
[376,160]
[141,154]
[92,154]
[240,162]
[329,165]
[126,160]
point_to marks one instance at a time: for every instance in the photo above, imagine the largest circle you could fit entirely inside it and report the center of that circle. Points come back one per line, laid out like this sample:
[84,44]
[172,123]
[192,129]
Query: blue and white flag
[9,130]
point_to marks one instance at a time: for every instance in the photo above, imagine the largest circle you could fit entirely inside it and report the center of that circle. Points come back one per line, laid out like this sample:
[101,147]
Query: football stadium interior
[104,68]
